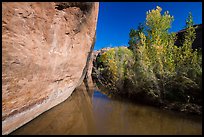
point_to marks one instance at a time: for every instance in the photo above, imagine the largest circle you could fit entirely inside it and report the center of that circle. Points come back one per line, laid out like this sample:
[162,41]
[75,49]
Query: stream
[89,111]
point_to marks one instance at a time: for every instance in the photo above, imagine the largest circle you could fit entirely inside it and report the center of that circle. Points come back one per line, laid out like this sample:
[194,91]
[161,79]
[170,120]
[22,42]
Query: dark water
[88,111]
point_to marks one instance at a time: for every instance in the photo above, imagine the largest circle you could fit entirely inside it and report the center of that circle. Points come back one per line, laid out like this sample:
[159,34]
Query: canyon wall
[45,52]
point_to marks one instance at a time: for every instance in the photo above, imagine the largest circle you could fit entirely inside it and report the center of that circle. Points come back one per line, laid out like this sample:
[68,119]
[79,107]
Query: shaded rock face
[44,56]
[197,42]
[89,65]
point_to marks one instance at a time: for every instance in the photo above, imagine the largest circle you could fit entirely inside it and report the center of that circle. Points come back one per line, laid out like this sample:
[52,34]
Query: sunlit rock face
[45,50]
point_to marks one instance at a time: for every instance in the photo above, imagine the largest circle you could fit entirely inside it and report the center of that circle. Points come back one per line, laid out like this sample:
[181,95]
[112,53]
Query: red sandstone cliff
[44,56]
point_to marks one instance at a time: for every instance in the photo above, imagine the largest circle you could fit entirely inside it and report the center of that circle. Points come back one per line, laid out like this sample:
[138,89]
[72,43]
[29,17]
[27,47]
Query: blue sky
[115,19]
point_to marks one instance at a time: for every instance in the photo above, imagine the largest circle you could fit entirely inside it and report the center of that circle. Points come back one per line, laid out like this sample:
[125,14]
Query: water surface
[88,111]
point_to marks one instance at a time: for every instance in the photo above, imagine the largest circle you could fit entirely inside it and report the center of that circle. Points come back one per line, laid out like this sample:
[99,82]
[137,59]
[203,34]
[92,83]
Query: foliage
[114,65]
[134,36]
[154,66]
[161,61]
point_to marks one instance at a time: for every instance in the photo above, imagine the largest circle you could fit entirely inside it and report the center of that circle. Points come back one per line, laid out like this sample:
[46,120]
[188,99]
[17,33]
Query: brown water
[88,111]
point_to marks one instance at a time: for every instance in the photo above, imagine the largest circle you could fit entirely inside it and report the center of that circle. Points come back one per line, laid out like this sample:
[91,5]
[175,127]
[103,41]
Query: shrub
[114,66]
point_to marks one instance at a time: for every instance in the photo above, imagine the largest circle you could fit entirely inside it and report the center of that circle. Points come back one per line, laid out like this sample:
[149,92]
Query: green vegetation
[153,68]
[114,66]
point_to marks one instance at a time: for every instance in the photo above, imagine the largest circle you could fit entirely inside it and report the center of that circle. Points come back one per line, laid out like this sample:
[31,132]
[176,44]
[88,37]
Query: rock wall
[44,56]
[90,60]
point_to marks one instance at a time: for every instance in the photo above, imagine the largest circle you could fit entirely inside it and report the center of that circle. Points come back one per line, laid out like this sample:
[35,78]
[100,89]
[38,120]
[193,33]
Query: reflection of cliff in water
[73,116]
[88,111]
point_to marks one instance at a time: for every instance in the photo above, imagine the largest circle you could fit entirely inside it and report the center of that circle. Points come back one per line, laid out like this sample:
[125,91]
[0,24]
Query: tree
[185,54]
[158,25]
[189,35]
[134,36]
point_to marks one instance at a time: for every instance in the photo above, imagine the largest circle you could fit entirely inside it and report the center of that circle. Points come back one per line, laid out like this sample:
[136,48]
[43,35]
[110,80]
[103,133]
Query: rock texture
[44,56]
